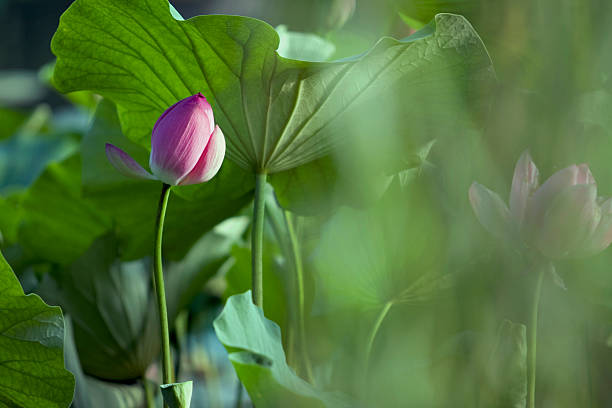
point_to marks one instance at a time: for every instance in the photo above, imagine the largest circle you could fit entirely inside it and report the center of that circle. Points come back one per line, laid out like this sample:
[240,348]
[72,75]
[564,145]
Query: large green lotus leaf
[276,113]
[132,204]
[256,351]
[113,312]
[356,173]
[32,372]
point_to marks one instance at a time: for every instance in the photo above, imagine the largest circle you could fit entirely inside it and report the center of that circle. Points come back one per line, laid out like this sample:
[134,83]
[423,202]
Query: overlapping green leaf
[276,113]
[256,351]
[32,372]
[94,393]
[112,310]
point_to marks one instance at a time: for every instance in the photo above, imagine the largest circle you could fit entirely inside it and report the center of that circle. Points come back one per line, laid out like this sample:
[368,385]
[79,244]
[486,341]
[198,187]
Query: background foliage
[372,137]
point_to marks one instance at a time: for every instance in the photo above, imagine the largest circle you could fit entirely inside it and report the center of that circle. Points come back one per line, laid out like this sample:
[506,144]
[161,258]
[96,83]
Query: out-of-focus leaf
[20,87]
[112,309]
[239,280]
[303,46]
[309,189]
[71,357]
[276,113]
[186,278]
[24,155]
[58,225]
[11,121]
[132,204]
[366,259]
[86,99]
[506,374]
[256,351]
[422,11]
[94,393]
[10,217]
[107,394]
[321,186]
[177,395]
[32,372]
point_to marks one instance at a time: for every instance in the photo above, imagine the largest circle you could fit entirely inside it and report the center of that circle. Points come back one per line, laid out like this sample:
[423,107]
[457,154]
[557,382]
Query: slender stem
[148,392]
[299,278]
[531,346]
[158,279]
[373,333]
[257,240]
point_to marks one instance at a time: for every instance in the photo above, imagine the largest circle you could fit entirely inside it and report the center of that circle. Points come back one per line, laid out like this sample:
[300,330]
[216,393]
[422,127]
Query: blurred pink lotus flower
[561,219]
[186,146]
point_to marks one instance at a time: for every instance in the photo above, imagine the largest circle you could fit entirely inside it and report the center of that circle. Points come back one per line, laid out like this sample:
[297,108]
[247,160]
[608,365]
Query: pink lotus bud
[186,146]
[560,219]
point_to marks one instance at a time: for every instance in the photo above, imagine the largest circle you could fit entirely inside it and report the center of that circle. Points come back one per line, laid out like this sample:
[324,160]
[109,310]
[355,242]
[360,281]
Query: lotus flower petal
[545,195]
[602,236]
[584,175]
[490,210]
[125,164]
[179,138]
[210,161]
[524,183]
[568,222]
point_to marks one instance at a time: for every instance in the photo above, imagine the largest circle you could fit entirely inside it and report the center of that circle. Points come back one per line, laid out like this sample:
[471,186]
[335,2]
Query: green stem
[373,333]
[158,279]
[299,278]
[532,341]
[257,239]
[149,398]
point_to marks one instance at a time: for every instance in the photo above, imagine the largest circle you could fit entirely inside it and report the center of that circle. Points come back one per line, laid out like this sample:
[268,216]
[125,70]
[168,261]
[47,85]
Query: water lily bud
[186,146]
[563,218]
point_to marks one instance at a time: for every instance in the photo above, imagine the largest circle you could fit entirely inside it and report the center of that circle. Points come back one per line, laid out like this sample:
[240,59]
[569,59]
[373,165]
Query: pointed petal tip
[490,210]
[584,175]
[125,164]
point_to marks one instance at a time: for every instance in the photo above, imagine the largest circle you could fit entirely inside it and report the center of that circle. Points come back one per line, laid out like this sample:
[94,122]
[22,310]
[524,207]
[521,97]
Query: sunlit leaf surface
[32,372]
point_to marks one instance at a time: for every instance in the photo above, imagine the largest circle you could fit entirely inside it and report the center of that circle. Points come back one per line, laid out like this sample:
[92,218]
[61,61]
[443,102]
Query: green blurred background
[444,342]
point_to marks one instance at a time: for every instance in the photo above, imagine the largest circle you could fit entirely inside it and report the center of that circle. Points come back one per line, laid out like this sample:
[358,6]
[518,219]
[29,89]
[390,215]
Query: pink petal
[490,210]
[545,195]
[124,163]
[602,236]
[524,183]
[584,175]
[179,138]
[210,161]
[568,222]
